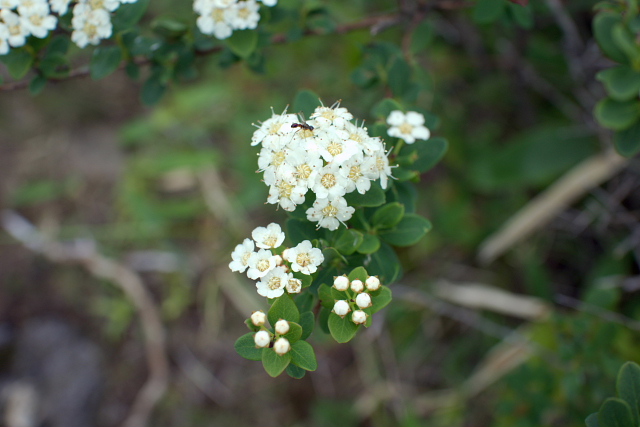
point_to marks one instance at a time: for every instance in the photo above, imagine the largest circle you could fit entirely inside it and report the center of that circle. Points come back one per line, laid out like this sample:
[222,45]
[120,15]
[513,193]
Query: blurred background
[483,330]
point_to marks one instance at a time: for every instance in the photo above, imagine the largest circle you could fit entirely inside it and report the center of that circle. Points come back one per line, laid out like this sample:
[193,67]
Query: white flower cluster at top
[273,273]
[328,155]
[20,19]
[219,18]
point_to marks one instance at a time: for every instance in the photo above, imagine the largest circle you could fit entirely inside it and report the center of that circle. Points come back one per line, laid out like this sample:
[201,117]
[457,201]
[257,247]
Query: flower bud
[341,283]
[294,286]
[262,339]
[281,346]
[359,317]
[372,283]
[278,259]
[357,286]
[282,326]
[341,308]
[258,318]
[363,300]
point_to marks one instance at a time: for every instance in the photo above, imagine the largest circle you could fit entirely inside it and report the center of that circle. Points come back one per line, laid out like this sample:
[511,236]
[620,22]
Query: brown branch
[83,253]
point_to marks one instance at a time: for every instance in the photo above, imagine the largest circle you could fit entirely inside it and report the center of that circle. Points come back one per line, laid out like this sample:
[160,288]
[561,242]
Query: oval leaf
[243,43]
[408,231]
[105,60]
[627,142]
[388,215]
[622,82]
[283,308]
[246,347]
[294,372]
[615,413]
[348,241]
[342,329]
[303,356]
[628,387]
[369,245]
[273,363]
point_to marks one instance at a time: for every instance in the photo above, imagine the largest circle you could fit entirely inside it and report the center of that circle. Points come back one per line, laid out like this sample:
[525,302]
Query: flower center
[285,189]
[303,259]
[263,265]
[356,137]
[380,163]
[274,283]
[245,258]
[335,148]
[271,241]
[303,171]
[294,285]
[278,158]
[330,210]
[354,173]
[406,128]
[328,180]
[274,128]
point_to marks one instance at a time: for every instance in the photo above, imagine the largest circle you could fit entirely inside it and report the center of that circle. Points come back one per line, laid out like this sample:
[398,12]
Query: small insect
[303,125]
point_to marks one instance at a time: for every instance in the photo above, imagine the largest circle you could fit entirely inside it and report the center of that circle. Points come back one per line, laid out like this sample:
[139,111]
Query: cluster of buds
[359,297]
[263,338]
[272,265]
[328,156]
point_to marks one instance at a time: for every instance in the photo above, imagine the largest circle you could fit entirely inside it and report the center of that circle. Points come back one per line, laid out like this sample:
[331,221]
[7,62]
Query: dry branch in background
[84,253]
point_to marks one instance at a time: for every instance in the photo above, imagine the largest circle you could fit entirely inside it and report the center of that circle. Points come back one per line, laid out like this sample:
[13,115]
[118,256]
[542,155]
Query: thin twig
[84,253]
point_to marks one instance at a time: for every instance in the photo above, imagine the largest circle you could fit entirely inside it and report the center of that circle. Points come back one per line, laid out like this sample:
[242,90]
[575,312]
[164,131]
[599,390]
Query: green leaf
[37,84]
[152,90]
[169,27]
[626,42]
[283,308]
[602,27]
[423,155]
[326,298]
[295,332]
[628,388]
[408,231]
[54,65]
[622,82]
[422,37]
[308,322]
[399,76]
[246,347]
[305,102]
[388,215]
[381,299]
[522,15]
[385,264]
[105,60]
[374,197]
[298,230]
[617,115]
[369,245]
[303,356]
[295,372]
[305,279]
[243,43]
[627,142]
[592,420]
[274,363]
[18,62]
[128,15]
[358,273]
[342,329]
[59,45]
[348,241]
[487,11]
[615,412]
[383,108]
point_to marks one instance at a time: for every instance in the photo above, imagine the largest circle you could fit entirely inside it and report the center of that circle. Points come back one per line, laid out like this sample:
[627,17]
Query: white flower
[258,318]
[357,286]
[330,213]
[363,300]
[408,126]
[270,132]
[353,170]
[341,283]
[215,23]
[341,308]
[336,116]
[304,257]
[359,317]
[282,327]
[9,4]
[288,193]
[60,6]
[261,263]
[294,285]
[262,339]
[33,6]
[244,15]
[330,183]
[273,283]
[4,36]
[372,283]
[268,237]
[241,255]
[269,2]
[38,22]
[377,167]
[17,32]
[281,346]
[90,25]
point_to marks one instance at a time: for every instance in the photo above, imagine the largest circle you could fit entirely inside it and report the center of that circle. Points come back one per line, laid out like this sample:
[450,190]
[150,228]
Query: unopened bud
[341,308]
[357,286]
[373,283]
[282,326]
[281,346]
[258,318]
[341,283]
[294,286]
[363,300]
[359,317]
[262,339]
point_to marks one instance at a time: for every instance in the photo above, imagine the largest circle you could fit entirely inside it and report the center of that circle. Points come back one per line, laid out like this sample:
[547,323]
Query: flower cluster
[263,337]
[359,297]
[328,155]
[20,19]
[409,126]
[219,18]
[274,271]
